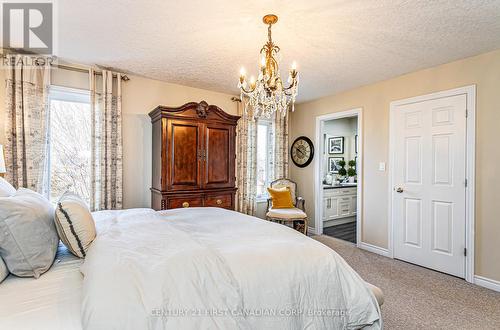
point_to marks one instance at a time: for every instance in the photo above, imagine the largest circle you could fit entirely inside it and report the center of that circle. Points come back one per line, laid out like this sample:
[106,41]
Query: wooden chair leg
[300,226]
[296,224]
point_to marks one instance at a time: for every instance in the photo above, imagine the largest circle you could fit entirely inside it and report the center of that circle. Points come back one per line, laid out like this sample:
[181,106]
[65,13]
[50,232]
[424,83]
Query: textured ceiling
[338,45]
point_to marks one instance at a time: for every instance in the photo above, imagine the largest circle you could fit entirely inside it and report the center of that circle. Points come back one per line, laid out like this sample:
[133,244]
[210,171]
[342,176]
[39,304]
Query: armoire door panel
[218,162]
[184,147]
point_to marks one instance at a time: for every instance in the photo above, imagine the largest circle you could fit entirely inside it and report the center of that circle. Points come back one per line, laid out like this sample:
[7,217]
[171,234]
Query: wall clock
[302,151]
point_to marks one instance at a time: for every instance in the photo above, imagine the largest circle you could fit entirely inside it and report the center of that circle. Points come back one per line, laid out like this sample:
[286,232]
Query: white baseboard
[487,283]
[373,248]
[311,230]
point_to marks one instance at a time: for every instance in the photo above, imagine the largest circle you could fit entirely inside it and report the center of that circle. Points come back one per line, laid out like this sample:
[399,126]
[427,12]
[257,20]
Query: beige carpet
[419,298]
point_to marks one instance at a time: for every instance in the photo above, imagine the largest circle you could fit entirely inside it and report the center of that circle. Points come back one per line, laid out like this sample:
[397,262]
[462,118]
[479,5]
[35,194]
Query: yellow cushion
[282,198]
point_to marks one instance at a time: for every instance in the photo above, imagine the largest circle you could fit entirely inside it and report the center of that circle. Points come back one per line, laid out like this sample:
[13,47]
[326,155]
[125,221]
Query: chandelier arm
[249,91]
[292,85]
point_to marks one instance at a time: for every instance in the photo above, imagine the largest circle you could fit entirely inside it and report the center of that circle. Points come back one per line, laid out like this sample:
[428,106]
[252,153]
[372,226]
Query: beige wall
[482,70]
[140,96]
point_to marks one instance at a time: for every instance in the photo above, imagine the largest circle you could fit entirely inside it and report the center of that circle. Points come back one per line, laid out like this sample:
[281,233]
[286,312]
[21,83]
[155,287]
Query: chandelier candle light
[267,94]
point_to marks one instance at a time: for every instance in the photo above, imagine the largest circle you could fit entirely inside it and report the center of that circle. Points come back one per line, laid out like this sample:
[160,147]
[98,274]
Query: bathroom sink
[348,184]
[339,185]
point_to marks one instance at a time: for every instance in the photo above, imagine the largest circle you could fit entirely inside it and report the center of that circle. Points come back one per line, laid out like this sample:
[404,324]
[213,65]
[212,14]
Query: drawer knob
[219,202]
[185,204]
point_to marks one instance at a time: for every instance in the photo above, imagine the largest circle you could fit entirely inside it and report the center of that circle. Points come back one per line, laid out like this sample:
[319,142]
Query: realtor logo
[28,26]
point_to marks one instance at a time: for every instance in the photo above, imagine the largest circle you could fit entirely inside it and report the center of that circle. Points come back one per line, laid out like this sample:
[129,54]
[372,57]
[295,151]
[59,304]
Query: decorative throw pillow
[4,272]
[74,224]
[6,189]
[28,237]
[281,198]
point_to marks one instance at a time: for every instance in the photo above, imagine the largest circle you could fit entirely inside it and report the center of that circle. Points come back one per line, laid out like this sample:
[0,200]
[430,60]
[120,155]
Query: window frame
[68,94]
[264,122]
[65,94]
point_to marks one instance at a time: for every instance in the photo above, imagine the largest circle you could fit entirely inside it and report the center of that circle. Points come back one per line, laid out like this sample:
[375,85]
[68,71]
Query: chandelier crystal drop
[268,94]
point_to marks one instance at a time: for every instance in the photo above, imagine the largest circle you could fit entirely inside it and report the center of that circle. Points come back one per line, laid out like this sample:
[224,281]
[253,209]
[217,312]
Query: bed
[52,301]
[192,268]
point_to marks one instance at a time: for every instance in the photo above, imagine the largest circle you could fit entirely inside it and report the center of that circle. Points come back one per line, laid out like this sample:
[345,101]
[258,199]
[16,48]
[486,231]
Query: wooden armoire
[193,157]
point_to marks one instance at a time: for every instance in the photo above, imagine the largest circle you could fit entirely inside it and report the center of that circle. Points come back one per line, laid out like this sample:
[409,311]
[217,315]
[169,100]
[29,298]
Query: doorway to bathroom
[338,173]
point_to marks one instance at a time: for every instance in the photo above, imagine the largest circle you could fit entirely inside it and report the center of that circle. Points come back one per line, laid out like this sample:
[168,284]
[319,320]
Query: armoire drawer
[222,200]
[188,201]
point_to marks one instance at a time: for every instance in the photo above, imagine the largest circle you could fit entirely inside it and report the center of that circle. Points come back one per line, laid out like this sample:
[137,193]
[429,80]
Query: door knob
[399,190]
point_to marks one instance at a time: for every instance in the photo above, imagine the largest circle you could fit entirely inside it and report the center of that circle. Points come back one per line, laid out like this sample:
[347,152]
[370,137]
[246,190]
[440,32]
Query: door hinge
[466,113]
[465,252]
[466,183]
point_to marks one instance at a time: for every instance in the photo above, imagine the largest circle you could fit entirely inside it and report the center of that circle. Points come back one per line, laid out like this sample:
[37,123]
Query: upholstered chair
[296,215]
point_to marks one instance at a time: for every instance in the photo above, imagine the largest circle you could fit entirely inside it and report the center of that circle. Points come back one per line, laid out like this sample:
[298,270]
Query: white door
[429,177]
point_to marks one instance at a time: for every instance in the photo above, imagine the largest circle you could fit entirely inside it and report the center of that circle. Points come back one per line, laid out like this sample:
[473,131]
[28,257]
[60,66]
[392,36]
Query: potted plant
[351,172]
[342,171]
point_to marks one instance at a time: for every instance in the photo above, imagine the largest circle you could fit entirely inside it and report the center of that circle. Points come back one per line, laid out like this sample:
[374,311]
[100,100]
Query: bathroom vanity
[339,203]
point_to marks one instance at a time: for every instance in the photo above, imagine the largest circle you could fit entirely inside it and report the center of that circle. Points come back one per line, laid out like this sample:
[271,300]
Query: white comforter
[209,268]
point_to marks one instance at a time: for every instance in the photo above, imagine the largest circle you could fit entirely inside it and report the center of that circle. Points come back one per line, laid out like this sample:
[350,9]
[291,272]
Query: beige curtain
[106,164]
[246,162]
[26,103]
[280,147]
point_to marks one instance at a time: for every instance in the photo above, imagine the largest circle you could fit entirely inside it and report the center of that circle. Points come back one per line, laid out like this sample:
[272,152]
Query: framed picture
[336,145]
[356,144]
[333,166]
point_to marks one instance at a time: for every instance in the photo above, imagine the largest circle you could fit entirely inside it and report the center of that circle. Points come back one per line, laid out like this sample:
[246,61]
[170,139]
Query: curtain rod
[68,67]
[72,68]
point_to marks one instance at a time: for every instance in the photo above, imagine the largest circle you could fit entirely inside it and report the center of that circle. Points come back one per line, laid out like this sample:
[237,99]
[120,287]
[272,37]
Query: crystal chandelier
[267,94]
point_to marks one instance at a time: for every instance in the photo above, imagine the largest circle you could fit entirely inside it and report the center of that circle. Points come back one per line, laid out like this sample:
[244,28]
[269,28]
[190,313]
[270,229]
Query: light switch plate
[381,166]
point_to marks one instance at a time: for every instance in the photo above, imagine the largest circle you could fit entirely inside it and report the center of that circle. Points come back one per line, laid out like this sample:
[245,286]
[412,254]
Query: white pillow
[6,189]
[28,237]
[74,224]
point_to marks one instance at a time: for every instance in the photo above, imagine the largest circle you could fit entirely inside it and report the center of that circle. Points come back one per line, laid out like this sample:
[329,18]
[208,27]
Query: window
[264,158]
[69,142]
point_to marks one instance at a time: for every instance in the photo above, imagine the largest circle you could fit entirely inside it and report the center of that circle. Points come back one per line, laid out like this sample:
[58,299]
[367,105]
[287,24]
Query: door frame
[318,166]
[470,92]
